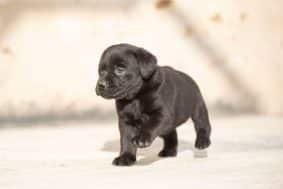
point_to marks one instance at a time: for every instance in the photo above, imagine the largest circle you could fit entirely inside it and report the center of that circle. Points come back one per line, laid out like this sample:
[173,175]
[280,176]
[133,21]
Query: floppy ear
[147,62]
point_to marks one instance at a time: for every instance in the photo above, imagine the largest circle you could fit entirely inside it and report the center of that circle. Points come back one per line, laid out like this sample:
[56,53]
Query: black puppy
[151,101]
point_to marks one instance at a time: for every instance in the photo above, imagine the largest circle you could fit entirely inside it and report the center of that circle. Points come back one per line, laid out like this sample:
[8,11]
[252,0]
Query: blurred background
[49,53]
[56,133]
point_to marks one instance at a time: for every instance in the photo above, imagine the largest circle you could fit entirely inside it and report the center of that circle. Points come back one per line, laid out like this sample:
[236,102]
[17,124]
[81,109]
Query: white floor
[246,152]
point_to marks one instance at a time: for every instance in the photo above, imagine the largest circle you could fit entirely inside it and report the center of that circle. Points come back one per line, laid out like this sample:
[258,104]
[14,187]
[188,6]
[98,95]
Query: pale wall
[50,50]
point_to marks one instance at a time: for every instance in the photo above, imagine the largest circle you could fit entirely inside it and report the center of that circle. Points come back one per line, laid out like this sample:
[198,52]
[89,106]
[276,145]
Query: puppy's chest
[133,114]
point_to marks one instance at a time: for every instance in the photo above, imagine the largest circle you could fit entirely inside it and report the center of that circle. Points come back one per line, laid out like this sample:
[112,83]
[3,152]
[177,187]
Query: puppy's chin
[107,94]
[97,91]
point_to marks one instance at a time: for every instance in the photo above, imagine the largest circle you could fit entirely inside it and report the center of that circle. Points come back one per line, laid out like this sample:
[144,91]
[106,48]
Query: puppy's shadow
[150,154]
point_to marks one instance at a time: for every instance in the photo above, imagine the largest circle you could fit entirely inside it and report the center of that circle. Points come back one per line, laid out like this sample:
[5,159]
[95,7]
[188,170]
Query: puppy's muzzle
[101,86]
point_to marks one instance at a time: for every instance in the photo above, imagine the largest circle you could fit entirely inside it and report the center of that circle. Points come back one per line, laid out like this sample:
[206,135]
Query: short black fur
[151,101]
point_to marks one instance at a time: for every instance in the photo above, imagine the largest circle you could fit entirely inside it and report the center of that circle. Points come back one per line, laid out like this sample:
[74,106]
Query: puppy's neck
[150,85]
[147,86]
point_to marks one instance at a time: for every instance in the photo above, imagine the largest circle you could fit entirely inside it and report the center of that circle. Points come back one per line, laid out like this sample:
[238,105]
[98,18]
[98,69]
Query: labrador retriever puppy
[151,101]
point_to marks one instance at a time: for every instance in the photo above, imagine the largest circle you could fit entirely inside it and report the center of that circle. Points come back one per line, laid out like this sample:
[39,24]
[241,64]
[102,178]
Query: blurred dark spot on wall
[217,18]
[243,16]
[163,4]
[189,31]
[6,51]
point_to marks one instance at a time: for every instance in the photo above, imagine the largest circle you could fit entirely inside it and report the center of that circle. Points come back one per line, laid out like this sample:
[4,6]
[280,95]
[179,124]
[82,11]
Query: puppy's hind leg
[170,145]
[202,126]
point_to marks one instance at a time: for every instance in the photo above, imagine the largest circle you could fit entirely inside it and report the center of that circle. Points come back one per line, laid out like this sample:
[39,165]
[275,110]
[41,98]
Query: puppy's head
[123,69]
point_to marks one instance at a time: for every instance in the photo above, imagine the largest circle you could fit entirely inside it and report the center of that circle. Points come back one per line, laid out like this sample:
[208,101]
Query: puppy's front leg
[150,130]
[128,151]
[143,139]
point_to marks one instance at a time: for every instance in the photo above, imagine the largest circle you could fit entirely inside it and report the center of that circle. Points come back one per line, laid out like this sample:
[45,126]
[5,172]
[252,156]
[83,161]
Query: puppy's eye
[120,71]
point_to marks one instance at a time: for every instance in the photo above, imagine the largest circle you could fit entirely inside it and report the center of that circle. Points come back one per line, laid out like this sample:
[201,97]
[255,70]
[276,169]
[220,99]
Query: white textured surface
[247,152]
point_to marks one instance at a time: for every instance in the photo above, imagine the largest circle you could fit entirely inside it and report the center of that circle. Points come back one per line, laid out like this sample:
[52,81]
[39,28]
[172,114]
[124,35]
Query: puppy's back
[181,93]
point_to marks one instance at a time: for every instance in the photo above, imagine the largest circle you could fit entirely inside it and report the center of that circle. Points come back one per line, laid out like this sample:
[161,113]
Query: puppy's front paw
[124,160]
[202,142]
[142,140]
[168,153]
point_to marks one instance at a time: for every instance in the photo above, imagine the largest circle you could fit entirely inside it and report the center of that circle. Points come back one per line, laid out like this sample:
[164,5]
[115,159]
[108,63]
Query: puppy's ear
[147,62]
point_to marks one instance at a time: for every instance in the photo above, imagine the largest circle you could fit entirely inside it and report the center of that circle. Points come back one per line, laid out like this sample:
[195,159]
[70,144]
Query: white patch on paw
[200,153]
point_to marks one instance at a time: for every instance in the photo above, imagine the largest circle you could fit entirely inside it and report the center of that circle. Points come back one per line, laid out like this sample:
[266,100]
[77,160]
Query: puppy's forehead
[117,51]
[117,55]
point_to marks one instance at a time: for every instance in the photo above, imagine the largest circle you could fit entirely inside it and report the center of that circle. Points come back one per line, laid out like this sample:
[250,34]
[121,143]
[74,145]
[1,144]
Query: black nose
[102,84]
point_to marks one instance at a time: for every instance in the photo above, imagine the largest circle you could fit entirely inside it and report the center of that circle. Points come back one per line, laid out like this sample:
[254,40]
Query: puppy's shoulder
[170,72]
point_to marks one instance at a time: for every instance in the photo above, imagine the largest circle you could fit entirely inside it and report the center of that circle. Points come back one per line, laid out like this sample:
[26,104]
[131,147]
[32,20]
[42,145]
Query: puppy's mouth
[110,94]
[117,92]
